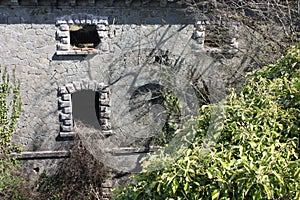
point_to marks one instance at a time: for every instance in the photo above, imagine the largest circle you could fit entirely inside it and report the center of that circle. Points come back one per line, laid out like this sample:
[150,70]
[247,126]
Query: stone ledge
[66,134]
[221,51]
[131,150]
[77,52]
[40,154]
[74,3]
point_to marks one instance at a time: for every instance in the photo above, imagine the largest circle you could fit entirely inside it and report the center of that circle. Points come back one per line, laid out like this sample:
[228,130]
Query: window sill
[82,51]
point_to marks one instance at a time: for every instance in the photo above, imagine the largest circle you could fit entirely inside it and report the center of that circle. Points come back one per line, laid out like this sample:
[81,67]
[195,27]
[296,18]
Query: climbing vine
[10,107]
[10,110]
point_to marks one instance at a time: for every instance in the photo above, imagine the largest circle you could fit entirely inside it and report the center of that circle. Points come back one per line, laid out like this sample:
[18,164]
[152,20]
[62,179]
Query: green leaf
[175,185]
[186,187]
[215,194]
[268,191]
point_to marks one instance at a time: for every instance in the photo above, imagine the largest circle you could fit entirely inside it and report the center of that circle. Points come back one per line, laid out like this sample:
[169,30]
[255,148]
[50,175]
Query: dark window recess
[217,36]
[85,108]
[84,36]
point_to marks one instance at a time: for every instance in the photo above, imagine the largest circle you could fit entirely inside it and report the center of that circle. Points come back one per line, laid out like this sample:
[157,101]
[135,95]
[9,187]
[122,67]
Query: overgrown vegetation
[79,177]
[267,27]
[172,106]
[255,150]
[10,109]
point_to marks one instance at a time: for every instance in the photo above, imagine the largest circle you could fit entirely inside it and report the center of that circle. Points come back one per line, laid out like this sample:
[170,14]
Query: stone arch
[65,106]
[63,33]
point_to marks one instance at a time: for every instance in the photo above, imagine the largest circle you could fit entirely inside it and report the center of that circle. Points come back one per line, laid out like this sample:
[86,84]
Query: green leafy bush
[10,109]
[254,154]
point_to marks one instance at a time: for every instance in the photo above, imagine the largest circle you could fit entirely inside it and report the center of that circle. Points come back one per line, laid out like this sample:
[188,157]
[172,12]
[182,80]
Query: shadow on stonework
[70,57]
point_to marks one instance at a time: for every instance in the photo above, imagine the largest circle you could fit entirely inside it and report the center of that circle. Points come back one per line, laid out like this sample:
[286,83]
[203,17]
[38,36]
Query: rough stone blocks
[62,47]
[105,115]
[70,88]
[63,34]
[63,116]
[63,90]
[104,102]
[63,104]
[107,133]
[66,97]
[64,27]
[64,40]
[67,110]
[65,128]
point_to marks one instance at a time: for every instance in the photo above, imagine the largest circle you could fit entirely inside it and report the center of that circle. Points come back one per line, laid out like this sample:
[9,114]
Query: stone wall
[137,44]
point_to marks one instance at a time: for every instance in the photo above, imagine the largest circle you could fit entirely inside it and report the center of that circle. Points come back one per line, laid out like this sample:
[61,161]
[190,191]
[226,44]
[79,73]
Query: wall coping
[162,3]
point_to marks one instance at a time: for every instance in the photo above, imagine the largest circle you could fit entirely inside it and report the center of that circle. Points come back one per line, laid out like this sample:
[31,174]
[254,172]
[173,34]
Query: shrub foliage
[254,154]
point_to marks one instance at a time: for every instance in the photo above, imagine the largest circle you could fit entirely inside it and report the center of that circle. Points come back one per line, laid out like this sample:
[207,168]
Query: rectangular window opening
[84,37]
